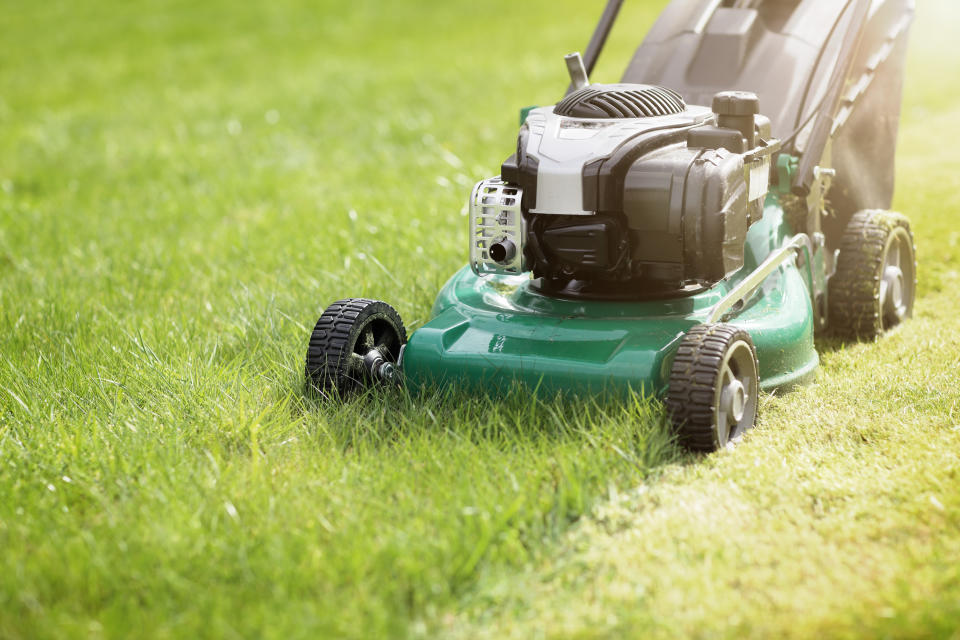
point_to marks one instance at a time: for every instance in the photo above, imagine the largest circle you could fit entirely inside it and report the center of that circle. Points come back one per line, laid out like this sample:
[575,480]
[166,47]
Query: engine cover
[664,191]
[556,147]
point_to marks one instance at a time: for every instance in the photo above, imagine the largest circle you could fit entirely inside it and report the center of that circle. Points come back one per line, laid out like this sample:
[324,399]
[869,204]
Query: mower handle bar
[826,110]
[599,39]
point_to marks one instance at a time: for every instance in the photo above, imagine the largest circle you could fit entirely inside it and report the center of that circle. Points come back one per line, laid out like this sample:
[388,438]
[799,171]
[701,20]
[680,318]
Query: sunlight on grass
[183,187]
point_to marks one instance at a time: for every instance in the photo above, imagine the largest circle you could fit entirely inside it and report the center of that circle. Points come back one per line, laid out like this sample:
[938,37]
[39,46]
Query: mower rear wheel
[355,343]
[875,284]
[714,386]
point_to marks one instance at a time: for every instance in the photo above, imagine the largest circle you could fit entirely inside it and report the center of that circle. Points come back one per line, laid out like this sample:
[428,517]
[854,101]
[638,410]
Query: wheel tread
[327,361]
[693,376]
[854,290]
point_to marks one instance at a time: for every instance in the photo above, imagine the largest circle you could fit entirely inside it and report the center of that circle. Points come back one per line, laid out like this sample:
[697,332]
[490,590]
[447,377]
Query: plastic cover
[784,51]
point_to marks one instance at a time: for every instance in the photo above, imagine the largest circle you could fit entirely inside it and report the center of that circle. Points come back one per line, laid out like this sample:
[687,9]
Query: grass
[184,187]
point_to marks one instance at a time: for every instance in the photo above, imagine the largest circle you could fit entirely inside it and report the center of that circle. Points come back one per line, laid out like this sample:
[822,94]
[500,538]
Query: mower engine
[622,190]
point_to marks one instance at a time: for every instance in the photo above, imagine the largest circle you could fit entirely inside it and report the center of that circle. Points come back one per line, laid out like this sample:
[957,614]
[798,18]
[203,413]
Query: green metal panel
[494,331]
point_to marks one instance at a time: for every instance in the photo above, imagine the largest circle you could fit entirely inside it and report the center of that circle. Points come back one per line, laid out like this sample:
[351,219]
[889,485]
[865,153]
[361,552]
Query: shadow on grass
[832,344]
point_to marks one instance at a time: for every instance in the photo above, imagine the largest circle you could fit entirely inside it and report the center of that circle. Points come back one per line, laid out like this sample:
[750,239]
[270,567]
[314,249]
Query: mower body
[490,328]
[682,233]
[493,331]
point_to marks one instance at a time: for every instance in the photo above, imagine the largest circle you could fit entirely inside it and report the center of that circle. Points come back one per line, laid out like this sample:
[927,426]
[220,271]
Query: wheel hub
[733,400]
[379,367]
[736,398]
[896,280]
[893,291]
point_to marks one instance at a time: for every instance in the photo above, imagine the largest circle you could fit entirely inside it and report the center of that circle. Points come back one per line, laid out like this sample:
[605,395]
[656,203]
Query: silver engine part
[497,228]
[563,145]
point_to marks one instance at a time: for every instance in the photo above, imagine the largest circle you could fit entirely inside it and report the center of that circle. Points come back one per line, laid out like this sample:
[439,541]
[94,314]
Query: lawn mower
[640,240]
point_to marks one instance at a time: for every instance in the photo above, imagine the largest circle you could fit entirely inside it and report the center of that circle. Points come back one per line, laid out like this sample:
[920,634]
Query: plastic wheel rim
[896,279]
[735,404]
[376,338]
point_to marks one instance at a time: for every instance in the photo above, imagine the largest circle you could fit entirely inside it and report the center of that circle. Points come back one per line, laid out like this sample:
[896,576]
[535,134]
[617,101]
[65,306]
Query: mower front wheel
[714,386]
[356,343]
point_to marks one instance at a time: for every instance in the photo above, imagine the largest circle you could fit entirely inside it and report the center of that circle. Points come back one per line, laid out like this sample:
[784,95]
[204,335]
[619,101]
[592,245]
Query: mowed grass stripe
[838,516]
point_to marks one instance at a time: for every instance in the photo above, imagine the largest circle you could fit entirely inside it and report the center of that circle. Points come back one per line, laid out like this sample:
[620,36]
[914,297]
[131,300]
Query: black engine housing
[672,205]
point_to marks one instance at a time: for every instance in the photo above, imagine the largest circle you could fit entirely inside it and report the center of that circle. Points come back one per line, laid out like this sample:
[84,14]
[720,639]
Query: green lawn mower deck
[494,330]
[637,242]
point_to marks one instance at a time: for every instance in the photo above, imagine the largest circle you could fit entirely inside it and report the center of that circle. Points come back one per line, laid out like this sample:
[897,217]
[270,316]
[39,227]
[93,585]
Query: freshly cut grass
[184,187]
[838,516]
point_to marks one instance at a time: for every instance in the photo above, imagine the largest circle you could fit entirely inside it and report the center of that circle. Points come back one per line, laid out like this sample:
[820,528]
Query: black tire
[874,287]
[714,386]
[347,332]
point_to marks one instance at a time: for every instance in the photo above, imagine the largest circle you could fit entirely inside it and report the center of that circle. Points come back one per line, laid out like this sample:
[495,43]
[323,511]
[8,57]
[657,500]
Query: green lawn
[184,186]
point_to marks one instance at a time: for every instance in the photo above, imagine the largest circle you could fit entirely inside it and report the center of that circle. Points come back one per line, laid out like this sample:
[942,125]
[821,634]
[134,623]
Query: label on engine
[759,179]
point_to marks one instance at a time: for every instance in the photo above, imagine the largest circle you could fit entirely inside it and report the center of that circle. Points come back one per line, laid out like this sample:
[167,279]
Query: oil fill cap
[736,103]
